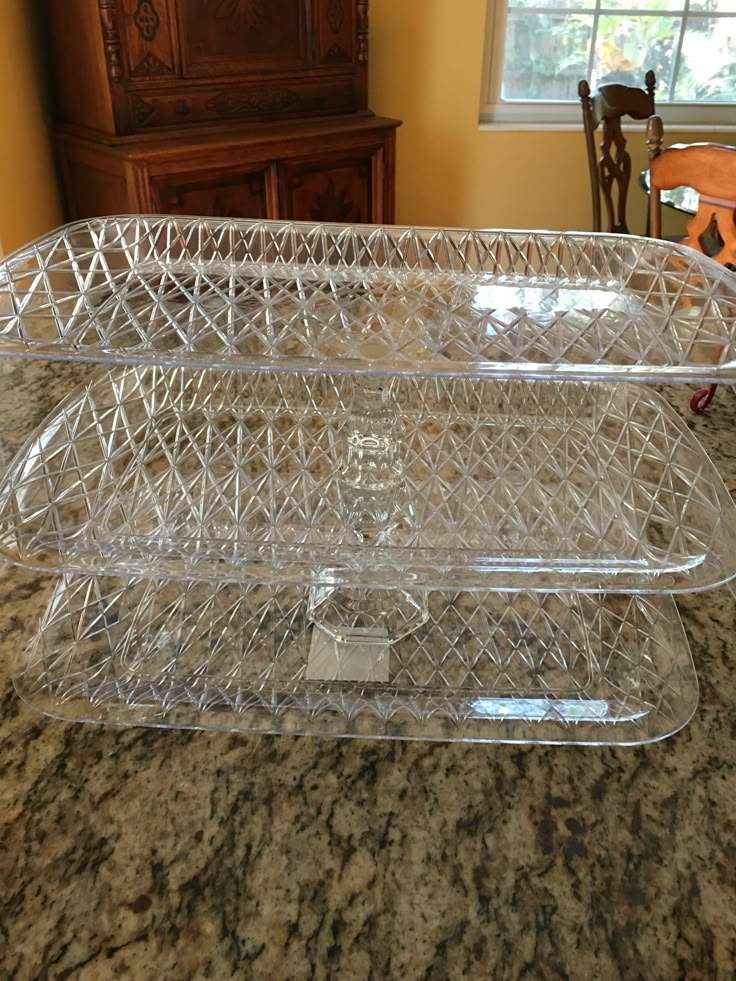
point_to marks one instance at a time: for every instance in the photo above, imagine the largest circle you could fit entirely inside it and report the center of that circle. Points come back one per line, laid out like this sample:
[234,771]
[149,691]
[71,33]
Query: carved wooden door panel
[222,195]
[339,188]
[337,30]
[150,40]
[217,36]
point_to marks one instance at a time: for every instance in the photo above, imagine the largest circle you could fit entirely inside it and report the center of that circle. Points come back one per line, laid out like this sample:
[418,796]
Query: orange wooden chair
[610,173]
[710,169]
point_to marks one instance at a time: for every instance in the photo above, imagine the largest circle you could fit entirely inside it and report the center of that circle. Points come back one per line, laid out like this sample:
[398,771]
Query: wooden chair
[710,169]
[610,174]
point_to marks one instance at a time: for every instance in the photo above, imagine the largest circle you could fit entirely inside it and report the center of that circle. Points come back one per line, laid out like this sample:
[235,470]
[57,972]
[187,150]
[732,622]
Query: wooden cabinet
[338,169]
[242,108]
[130,66]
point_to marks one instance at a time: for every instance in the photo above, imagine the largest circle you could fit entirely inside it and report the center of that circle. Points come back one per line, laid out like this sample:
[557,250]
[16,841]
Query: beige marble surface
[179,854]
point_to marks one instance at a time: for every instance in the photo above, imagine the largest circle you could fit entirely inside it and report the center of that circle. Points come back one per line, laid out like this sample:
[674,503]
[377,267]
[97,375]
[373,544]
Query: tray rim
[555,732]
[693,373]
[500,572]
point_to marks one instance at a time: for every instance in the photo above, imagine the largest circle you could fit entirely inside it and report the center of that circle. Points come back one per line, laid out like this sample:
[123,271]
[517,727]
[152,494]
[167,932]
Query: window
[538,50]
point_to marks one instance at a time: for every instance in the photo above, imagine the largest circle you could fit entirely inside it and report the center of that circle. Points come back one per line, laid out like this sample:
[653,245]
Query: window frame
[496,114]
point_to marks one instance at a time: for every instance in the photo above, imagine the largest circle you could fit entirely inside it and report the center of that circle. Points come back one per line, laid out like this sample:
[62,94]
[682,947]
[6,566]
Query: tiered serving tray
[224,475]
[552,667]
[232,389]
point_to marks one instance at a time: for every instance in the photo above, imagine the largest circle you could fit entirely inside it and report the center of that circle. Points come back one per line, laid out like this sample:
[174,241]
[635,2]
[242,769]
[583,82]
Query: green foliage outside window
[547,53]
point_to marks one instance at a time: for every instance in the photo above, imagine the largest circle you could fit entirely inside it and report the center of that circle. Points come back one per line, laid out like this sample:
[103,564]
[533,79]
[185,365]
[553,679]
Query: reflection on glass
[589,710]
[626,47]
[552,4]
[714,6]
[643,6]
[541,299]
[551,44]
[708,63]
[546,55]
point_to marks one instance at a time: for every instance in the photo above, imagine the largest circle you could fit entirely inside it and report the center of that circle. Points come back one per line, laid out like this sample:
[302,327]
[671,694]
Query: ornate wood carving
[610,172]
[589,126]
[361,12]
[236,102]
[334,204]
[655,137]
[335,15]
[614,168]
[650,81]
[243,13]
[227,32]
[226,59]
[111,38]
[336,56]
[143,111]
[146,19]
[149,66]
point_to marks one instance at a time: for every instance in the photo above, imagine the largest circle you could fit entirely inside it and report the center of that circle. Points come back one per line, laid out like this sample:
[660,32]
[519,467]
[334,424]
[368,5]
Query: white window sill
[524,126]
[567,117]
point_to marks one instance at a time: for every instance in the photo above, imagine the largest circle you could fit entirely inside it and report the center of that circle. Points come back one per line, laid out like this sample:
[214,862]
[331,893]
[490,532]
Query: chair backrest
[710,169]
[610,173]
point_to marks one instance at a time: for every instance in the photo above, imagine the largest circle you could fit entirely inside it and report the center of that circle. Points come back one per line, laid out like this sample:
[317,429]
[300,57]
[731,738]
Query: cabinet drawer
[152,109]
[241,194]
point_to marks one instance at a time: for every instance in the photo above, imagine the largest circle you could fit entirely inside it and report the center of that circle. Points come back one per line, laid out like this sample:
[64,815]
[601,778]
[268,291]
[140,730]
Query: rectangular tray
[220,475]
[514,667]
[276,296]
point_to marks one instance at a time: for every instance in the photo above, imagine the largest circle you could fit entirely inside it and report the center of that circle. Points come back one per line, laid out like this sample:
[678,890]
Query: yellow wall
[425,68]
[29,201]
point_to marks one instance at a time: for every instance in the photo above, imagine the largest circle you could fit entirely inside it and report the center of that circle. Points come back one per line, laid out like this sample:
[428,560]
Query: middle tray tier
[505,485]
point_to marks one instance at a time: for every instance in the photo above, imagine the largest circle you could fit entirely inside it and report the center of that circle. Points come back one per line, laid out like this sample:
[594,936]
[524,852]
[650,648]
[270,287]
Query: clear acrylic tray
[301,297]
[361,480]
[225,475]
[519,667]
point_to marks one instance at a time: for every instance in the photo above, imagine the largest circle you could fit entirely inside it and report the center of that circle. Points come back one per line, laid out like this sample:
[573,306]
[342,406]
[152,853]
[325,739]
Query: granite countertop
[181,854]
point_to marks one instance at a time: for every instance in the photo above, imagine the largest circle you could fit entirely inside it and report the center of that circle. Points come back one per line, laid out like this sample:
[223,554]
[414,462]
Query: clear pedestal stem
[376,508]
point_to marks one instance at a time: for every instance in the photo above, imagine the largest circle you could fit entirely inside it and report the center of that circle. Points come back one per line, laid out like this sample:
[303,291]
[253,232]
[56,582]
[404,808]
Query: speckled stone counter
[163,854]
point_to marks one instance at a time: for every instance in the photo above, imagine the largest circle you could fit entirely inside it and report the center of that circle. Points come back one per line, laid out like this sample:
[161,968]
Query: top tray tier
[196,292]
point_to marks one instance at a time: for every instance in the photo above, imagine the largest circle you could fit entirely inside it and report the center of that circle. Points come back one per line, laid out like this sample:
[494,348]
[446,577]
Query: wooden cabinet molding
[327,170]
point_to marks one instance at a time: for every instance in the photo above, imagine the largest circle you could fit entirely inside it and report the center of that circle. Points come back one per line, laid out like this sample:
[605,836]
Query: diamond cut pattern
[225,480]
[249,294]
[219,474]
[485,666]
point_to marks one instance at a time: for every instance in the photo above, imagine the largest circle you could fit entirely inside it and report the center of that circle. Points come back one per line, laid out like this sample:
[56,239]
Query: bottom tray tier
[511,667]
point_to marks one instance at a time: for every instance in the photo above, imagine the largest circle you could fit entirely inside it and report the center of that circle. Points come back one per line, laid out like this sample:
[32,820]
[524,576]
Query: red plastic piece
[702,398]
